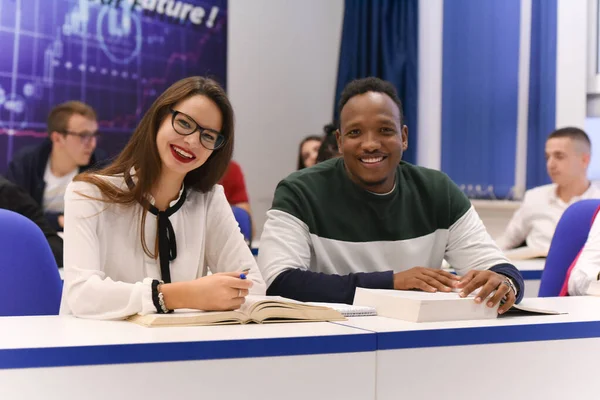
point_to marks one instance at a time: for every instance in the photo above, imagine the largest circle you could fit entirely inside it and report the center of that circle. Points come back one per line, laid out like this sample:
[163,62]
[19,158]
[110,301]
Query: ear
[55,137]
[338,139]
[404,137]
[586,159]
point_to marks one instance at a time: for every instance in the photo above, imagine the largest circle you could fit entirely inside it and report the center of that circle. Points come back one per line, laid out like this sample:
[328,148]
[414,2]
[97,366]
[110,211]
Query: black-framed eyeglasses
[185,125]
[84,137]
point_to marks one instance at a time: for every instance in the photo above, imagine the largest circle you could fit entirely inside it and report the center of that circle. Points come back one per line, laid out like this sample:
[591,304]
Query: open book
[525,253]
[415,306]
[259,309]
[523,309]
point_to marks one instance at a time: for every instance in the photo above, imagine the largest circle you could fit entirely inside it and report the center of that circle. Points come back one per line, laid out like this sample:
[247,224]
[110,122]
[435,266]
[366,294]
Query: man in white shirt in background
[45,170]
[587,267]
[568,152]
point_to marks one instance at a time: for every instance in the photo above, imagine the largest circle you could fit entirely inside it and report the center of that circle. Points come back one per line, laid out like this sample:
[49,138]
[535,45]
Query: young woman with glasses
[142,233]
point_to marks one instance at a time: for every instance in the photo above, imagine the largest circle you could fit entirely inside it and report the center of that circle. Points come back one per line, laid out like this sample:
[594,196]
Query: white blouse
[107,274]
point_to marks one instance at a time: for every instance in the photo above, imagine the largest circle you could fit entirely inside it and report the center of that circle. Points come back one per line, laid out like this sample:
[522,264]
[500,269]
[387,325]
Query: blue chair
[31,284]
[568,240]
[244,221]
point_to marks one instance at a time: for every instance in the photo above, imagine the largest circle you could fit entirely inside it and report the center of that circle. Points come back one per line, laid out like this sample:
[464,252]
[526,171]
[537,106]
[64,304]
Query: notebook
[416,306]
[348,310]
[256,309]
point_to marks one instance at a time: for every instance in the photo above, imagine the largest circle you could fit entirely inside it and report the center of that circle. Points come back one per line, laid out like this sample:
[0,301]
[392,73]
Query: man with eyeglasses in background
[45,170]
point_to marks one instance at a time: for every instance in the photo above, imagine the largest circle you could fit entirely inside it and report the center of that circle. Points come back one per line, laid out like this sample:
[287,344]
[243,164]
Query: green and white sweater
[323,223]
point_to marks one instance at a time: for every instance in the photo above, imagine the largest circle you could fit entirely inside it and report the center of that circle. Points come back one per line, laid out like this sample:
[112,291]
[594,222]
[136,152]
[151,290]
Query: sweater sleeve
[304,285]
[471,247]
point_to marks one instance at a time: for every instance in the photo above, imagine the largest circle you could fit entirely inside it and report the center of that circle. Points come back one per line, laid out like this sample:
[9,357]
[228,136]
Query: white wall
[592,128]
[282,70]
[431,20]
[571,63]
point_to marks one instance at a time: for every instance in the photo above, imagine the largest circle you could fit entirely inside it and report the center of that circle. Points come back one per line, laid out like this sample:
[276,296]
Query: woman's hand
[217,292]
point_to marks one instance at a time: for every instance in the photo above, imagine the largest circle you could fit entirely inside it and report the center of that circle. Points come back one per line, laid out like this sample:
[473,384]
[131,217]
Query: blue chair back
[568,240]
[244,221]
[31,284]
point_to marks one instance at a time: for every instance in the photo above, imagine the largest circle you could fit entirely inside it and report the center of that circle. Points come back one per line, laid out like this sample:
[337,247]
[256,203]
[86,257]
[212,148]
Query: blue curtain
[542,88]
[380,38]
[480,73]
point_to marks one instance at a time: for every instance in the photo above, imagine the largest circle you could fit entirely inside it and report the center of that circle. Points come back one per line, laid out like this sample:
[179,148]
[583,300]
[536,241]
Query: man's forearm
[313,286]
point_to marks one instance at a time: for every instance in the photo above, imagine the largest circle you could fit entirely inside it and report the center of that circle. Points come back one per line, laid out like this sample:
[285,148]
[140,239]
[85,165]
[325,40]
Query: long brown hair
[142,154]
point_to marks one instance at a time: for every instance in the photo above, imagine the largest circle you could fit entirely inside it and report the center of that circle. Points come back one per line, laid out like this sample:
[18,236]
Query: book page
[417,295]
[254,302]
[420,295]
[519,309]
[417,306]
[184,316]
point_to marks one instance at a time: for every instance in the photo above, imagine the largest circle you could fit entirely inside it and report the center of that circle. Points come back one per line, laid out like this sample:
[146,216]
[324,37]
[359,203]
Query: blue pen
[244,272]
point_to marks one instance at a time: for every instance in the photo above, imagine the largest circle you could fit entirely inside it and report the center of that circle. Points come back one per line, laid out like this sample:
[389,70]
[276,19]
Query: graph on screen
[117,59]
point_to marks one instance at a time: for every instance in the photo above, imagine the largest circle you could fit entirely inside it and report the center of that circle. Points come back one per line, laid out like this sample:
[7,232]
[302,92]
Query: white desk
[68,358]
[532,274]
[533,357]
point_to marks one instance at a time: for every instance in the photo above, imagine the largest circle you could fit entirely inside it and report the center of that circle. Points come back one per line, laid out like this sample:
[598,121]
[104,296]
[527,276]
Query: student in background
[369,220]
[234,186]
[45,170]
[568,152]
[307,152]
[141,233]
[586,268]
[329,148]
[15,199]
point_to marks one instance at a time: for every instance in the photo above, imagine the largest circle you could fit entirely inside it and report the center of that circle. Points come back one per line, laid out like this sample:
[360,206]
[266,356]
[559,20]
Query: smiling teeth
[183,153]
[372,160]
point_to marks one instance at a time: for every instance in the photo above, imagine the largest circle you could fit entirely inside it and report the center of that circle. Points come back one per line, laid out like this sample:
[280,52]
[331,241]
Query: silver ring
[507,283]
[239,292]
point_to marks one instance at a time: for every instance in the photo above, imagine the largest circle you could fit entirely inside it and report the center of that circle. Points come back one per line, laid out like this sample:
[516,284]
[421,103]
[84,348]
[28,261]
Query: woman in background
[141,234]
[307,152]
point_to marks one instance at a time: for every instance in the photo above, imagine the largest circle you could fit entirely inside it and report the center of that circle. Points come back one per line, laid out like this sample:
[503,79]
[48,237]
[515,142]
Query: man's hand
[61,221]
[426,279]
[488,281]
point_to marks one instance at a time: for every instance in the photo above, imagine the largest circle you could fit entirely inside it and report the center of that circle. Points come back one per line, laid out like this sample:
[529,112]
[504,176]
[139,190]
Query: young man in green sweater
[368,219]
